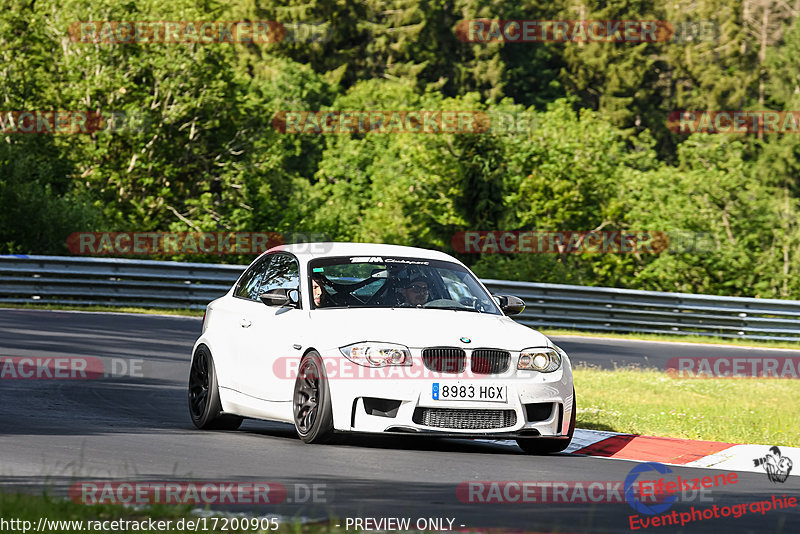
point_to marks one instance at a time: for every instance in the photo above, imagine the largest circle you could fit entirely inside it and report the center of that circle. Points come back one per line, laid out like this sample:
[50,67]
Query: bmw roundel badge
[465,340]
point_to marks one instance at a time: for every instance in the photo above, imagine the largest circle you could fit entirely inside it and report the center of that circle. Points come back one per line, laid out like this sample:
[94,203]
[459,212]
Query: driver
[317,292]
[415,292]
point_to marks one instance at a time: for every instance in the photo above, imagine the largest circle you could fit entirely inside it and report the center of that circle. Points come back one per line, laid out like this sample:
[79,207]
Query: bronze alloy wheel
[313,416]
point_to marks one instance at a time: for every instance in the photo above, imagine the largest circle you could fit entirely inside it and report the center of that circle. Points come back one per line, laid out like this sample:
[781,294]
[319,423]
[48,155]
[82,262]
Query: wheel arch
[212,414]
[221,364]
[342,411]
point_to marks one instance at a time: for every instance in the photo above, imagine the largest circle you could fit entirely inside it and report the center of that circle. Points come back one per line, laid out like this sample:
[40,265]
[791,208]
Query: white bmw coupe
[377,338]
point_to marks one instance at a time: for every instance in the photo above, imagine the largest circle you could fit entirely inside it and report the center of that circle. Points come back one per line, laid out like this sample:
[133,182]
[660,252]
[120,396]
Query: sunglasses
[419,288]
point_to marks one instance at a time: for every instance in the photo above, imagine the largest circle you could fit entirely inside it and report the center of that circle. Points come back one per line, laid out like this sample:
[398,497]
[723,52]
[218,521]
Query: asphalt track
[54,433]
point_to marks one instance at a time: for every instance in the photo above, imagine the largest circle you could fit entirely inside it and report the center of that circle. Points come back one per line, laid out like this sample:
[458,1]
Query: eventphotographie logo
[633,499]
[778,467]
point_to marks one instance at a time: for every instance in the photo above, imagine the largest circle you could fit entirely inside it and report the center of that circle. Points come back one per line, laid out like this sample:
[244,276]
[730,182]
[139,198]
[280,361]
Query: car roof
[309,251]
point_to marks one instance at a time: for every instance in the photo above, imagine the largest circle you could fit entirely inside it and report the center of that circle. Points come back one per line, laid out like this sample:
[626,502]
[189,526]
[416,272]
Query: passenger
[320,294]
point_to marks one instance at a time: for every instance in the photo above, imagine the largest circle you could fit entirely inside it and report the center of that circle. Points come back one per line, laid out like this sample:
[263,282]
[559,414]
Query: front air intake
[465,419]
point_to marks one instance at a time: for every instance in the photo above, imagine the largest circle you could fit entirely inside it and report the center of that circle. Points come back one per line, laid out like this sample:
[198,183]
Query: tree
[711,191]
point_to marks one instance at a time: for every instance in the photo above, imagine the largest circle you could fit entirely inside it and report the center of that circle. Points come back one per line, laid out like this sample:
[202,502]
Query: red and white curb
[672,451]
[676,451]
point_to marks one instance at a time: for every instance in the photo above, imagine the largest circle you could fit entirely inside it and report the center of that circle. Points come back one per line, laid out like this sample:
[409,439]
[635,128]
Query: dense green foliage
[597,155]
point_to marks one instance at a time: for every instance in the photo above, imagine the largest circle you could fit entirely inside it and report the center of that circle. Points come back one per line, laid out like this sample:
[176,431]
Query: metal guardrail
[113,282]
[163,284]
[628,310]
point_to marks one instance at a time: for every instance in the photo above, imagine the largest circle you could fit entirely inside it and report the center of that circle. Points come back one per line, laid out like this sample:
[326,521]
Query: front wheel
[551,445]
[313,415]
[204,404]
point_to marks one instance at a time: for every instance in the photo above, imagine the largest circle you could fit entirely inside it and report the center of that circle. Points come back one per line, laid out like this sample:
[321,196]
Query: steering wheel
[470,302]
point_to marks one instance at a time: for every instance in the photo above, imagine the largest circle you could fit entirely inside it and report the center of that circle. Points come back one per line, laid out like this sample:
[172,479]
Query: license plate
[468,392]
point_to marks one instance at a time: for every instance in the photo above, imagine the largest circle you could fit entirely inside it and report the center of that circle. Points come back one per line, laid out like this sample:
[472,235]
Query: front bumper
[535,405]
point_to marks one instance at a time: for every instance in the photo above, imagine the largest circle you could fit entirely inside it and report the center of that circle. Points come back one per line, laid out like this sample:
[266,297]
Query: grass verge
[648,402]
[769,344]
[31,508]
[66,516]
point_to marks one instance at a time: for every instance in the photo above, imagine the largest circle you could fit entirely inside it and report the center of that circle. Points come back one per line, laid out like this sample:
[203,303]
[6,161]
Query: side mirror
[280,297]
[509,304]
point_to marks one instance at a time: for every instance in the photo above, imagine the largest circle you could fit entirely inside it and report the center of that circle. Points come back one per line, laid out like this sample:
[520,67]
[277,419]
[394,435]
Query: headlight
[544,360]
[375,354]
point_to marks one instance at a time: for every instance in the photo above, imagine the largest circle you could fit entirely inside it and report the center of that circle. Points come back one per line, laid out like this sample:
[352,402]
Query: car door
[228,319]
[270,334]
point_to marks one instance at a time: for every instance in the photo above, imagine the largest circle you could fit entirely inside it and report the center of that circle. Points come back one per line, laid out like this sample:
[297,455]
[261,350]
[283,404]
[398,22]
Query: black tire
[551,445]
[313,415]
[204,405]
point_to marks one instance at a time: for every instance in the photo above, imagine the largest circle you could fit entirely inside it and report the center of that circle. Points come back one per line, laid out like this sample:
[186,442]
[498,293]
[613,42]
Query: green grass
[677,338]
[32,507]
[648,402]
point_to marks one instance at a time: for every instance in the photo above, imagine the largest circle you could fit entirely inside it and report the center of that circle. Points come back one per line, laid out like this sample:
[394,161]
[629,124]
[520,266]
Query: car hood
[419,328]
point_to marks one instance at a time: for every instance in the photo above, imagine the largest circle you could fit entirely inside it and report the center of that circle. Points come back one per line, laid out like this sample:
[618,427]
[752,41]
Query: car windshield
[396,282]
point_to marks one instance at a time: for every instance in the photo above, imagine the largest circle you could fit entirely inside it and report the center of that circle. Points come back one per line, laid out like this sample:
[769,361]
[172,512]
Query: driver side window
[283,272]
[251,280]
